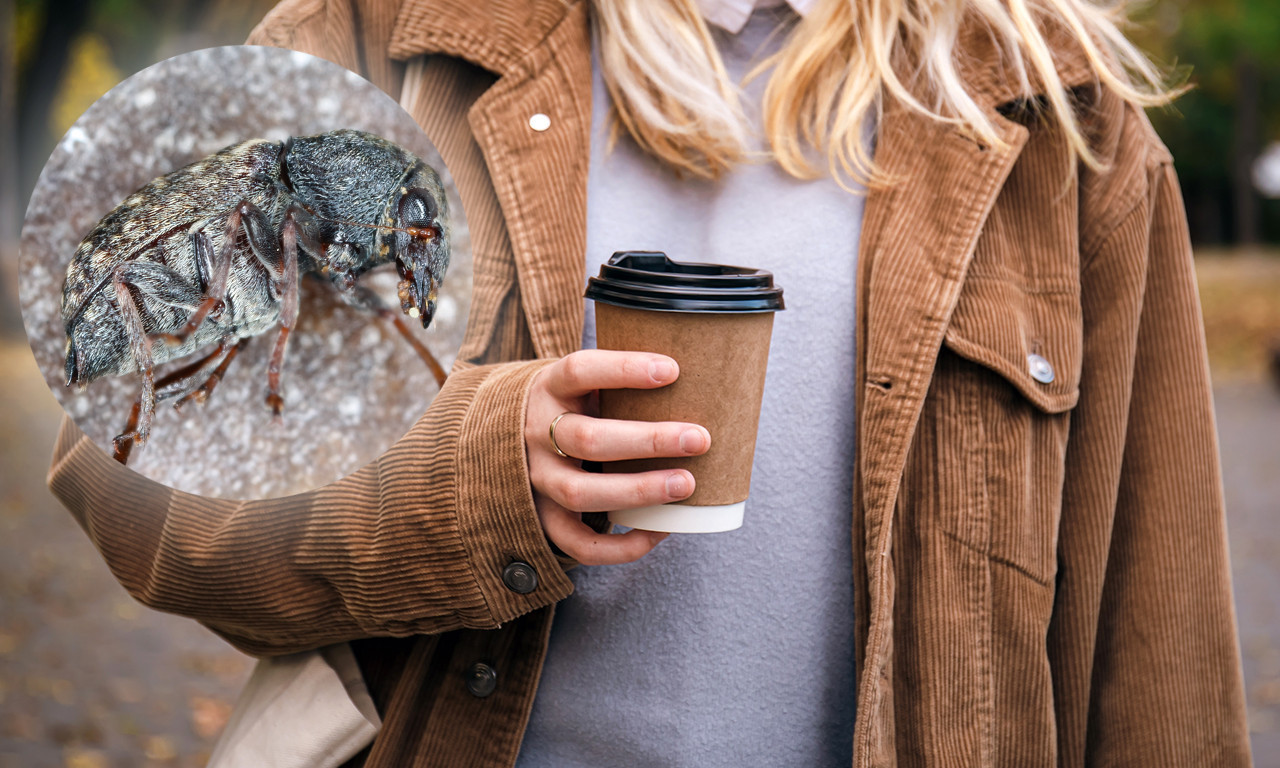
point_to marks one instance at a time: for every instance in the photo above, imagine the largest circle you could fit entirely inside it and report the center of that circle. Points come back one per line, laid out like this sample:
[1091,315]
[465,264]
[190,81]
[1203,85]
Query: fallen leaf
[161,748]
[209,716]
[74,757]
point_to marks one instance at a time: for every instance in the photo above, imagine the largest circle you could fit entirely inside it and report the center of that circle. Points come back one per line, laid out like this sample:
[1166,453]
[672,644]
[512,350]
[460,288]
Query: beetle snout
[418,290]
[425,285]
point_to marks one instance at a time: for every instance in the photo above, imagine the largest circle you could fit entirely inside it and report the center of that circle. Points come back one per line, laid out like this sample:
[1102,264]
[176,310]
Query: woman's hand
[562,491]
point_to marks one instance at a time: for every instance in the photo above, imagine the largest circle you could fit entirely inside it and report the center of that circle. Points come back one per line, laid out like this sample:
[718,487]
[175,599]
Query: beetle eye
[417,208]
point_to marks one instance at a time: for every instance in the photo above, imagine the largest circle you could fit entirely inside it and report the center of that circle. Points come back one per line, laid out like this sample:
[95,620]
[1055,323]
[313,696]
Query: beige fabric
[1040,569]
[303,710]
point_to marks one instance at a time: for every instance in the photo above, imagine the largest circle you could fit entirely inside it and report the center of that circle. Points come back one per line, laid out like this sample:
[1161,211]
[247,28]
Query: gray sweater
[727,649]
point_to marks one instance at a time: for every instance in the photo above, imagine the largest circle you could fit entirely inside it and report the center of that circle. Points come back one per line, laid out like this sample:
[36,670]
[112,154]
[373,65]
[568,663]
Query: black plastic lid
[650,280]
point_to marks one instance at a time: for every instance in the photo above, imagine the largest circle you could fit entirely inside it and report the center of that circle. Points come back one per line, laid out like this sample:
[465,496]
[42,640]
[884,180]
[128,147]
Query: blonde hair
[671,92]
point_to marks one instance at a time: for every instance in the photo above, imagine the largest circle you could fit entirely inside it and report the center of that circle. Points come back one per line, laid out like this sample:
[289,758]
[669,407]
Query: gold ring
[554,446]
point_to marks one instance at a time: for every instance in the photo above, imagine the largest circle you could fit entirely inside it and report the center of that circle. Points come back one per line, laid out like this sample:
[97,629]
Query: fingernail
[677,486]
[661,370]
[694,440]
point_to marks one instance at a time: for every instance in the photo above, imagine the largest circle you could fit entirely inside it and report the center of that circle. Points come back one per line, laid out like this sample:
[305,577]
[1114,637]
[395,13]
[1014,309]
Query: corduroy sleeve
[1166,685]
[414,543]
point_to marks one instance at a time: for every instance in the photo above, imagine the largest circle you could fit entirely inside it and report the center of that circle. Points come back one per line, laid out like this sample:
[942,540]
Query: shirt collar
[732,15]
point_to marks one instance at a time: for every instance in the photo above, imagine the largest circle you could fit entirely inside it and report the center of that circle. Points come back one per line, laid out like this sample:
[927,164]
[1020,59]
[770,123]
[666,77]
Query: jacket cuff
[496,515]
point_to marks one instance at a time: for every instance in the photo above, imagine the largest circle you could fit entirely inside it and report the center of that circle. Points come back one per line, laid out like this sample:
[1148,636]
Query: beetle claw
[276,403]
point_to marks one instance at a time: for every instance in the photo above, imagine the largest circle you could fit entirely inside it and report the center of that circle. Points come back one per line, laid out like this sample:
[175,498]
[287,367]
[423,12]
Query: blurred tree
[10,197]
[43,41]
[1218,129]
[69,52]
[89,73]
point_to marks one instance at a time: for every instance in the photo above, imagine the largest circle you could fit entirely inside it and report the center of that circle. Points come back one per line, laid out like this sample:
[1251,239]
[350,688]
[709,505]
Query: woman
[1039,570]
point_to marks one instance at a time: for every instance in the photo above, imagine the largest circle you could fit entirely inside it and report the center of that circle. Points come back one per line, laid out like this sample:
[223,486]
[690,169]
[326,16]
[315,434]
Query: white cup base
[682,518]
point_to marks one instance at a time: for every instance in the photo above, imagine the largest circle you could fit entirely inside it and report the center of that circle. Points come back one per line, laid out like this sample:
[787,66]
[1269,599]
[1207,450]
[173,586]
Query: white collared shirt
[732,15]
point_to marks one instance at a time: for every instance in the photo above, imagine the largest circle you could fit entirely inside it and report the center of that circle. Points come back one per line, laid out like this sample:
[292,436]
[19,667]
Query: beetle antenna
[422,233]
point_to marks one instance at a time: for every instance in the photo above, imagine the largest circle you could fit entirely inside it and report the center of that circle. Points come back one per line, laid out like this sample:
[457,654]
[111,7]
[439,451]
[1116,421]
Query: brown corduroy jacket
[1040,565]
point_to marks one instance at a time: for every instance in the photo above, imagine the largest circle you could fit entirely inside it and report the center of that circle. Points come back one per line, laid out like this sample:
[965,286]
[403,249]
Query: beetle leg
[139,427]
[123,444]
[287,290]
[363,298]
[217,289]
[281,263]
[312,252]
[206,262]
[309,243]
[397,320]
[201,393]
[159,286]
[263,240]
[181,380]
[198,380]
[194,381]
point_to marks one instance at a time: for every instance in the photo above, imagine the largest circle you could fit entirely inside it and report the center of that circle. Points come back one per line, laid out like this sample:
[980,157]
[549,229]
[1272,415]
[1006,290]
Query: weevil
[211,255]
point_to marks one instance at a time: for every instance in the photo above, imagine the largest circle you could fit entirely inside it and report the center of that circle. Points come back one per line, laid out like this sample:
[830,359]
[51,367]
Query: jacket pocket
[1031,339]
[1007,379]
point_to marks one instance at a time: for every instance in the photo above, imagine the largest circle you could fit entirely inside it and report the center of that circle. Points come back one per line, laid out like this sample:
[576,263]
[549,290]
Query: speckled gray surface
[352,385]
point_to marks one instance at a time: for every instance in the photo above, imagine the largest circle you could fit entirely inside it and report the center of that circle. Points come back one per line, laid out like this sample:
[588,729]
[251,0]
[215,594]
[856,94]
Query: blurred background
[90,679]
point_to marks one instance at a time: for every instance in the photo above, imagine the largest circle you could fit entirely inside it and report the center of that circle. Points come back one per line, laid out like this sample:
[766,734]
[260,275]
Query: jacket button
[520,578]
[482,679]
[1041,370]
[539,122]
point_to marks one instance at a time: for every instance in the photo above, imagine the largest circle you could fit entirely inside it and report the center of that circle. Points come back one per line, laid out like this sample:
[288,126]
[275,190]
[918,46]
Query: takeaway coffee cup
[715,321]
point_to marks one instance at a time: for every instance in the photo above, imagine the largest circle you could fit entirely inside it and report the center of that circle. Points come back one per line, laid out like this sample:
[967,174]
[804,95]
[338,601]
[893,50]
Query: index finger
[590,369]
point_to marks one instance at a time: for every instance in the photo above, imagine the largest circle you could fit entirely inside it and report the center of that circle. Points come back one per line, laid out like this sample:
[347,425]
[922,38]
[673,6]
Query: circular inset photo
[245,272]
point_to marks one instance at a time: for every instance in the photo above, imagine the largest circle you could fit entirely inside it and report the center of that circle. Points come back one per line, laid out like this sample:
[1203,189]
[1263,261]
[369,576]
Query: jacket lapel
[919,235]
[539,176]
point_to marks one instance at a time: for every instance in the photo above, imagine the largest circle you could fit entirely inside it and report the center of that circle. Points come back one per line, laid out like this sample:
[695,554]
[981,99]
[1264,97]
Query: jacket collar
[493,34]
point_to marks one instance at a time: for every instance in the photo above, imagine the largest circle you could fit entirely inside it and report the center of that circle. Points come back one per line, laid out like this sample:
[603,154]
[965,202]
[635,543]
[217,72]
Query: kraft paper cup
[715,321]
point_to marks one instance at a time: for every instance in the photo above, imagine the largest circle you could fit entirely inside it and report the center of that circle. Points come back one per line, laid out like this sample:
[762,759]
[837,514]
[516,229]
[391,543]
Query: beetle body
[154,226]
[210,254]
